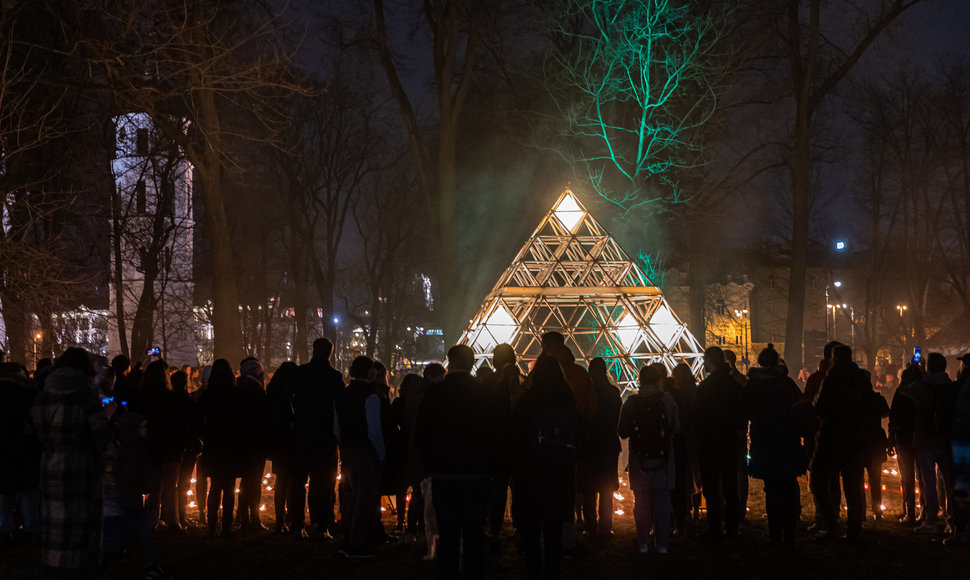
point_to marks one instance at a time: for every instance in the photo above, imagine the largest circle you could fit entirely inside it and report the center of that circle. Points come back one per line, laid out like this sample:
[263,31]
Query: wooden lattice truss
[572,277]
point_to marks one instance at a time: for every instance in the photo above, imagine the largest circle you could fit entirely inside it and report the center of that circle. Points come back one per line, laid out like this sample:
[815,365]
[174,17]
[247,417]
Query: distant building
[152,233]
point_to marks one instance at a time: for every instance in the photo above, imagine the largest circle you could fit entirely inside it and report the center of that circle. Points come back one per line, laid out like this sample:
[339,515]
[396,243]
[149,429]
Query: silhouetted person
[933,399]
[456,442]
[876,445]
[220,445]
[777,455]
[500,385]
[192,446]
[357,428]
[731,360]
[20,452]
[902,420]
[818,486]
[547,428]
[841,449]
[960,442]
[254,419]
[720,416]
[392,471]
[166,435]
[315,390]
[685,497]
[73,430]
[409,515]
[279,393]
[599,457]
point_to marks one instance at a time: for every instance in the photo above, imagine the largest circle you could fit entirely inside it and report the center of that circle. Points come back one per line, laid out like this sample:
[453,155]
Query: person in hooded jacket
[599,457]
[777,454]
[841,447]
[901,423]
[546,427]
[73,429]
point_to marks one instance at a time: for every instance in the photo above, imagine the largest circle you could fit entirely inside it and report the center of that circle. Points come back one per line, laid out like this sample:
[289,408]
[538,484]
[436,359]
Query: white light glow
[500,327]
[628,332]
[664,325]
[569,213]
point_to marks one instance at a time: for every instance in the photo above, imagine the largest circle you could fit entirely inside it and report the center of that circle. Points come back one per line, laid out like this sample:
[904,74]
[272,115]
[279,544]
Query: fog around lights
[569,213]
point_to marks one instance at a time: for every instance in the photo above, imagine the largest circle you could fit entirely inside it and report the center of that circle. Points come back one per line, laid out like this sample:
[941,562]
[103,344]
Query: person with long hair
[220,453]
[547,425]
[282,439]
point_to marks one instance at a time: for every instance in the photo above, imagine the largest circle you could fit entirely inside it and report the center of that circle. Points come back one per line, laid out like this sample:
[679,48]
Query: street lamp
[744,333]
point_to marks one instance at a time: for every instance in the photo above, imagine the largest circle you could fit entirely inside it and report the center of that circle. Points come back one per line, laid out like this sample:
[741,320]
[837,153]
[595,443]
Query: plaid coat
[74,432]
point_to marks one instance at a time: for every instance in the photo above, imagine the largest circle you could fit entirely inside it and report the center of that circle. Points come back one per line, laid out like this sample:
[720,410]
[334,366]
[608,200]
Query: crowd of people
[98,456]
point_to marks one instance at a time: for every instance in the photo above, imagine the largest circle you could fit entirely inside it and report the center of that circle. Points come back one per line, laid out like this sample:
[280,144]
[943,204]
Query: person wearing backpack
[934,400]
[650,420]
[777,454]
[546,430]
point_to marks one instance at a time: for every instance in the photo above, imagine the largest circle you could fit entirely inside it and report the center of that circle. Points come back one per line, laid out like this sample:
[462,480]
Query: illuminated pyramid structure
[572,277]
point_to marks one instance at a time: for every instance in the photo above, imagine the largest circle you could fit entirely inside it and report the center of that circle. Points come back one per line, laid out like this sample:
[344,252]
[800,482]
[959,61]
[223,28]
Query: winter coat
[580,383]
[167,427]
[409,404]
[500,388]
[253,419]
[455,430]
[316,388]
[902,420]
[776,448]
[933,399]
[221,455]
[74,433]
[19,448]
[720,409]
[279,397]
[841,405]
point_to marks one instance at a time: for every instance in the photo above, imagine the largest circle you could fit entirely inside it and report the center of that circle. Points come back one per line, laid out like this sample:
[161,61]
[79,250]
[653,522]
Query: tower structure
[572,277]
[152,229]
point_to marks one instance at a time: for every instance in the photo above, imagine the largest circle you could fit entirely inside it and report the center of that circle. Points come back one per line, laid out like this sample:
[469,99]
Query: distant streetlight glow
[837,283]
[840,245]
[336,320]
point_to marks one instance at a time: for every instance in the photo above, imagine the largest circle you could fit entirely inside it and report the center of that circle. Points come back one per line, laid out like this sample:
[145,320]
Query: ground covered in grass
[886,551]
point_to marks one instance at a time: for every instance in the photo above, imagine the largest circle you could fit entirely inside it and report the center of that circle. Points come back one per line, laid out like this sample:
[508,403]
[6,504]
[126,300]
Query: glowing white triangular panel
[572,277]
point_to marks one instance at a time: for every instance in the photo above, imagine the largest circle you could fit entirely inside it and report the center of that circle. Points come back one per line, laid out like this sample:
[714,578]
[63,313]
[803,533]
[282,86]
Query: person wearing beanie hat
[777,454]
[254,418]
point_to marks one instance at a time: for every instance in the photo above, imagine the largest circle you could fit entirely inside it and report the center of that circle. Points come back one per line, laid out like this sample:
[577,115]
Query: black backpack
[557,434]
[651,429]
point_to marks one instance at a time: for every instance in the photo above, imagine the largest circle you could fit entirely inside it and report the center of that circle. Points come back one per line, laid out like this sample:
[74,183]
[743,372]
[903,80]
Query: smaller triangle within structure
[572,277]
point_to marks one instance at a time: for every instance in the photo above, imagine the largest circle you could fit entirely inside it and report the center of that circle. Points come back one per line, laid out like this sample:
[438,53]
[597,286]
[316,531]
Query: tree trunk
[801,179]
[697,276]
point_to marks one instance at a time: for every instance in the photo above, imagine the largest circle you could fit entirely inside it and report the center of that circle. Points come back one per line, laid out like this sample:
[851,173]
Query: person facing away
[456,443]
[685,497]
[731,360]
[650,420]
[19,454]
[254,417]
[219,412]
[279,395]
[840,452]
[820,487]
[554,344]
[546,427]
[598,458]
[960,445]
[777,454]
[902,413]
[357,429]
[192,446]
[73,430]
[934,399]
[720,416]
[315,389]
[501,386]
